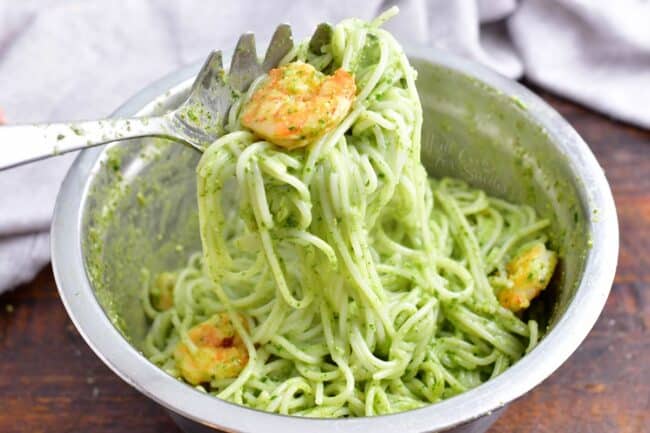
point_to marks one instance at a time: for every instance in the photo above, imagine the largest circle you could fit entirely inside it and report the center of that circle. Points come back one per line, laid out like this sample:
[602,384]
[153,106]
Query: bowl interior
[140,212]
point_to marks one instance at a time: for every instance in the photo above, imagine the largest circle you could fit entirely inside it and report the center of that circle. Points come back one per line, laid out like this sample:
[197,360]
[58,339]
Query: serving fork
[197,122]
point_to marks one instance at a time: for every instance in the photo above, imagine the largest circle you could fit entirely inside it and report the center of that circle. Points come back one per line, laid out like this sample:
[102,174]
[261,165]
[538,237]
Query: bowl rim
[571,329]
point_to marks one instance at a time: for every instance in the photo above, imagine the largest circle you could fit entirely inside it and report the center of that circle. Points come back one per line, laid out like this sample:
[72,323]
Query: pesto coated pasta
[338,279]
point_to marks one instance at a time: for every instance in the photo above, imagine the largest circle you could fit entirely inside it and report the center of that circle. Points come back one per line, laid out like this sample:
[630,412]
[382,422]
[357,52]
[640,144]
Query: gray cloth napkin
[80,59]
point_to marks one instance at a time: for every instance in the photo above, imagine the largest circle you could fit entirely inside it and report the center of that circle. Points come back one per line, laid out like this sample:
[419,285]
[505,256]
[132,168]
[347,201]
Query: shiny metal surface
[478,126]
[23,144]
[197,122]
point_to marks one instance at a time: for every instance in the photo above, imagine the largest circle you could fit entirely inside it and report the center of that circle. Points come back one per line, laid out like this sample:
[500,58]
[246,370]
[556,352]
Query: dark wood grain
[50,381]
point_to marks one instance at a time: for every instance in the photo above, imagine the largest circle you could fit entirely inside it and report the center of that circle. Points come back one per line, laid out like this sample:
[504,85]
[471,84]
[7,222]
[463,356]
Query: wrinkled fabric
[80,59]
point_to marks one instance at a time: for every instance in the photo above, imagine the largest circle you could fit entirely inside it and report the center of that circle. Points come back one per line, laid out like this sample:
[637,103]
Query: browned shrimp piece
[529,273]
[297,104]
[220,351]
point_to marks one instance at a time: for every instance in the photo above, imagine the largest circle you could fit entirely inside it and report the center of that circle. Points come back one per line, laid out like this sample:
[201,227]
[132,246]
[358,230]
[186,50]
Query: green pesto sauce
[130,225]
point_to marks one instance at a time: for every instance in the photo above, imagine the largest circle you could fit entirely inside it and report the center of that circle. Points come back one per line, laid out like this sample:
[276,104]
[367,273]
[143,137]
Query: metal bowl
[132,205]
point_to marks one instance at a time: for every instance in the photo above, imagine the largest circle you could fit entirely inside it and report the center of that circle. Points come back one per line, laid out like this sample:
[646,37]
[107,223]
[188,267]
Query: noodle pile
[359,285]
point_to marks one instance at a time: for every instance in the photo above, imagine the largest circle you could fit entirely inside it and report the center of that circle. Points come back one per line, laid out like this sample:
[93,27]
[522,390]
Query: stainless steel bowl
[131,205]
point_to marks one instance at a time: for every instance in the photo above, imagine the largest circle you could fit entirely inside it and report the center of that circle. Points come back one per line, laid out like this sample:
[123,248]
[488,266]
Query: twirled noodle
[367,287]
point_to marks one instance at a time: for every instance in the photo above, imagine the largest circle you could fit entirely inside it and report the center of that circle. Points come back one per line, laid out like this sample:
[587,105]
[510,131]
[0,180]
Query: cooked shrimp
[298,104]
[162,292]
[220,352]
[529,273]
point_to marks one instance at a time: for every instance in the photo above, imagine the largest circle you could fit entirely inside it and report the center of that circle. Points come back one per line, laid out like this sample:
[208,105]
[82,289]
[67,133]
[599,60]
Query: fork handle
[20,144]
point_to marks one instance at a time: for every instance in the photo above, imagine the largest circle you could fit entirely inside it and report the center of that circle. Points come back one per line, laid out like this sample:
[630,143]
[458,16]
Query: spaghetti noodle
[357,284]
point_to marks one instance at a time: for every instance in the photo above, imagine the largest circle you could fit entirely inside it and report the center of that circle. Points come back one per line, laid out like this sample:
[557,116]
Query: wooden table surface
[50,381]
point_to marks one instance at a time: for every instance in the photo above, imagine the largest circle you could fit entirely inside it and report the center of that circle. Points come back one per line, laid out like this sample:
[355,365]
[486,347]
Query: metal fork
[197,122]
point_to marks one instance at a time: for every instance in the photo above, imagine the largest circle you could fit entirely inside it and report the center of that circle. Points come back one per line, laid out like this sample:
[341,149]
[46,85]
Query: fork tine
[245,66]
[322,36]
[281,43]
[211,71]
